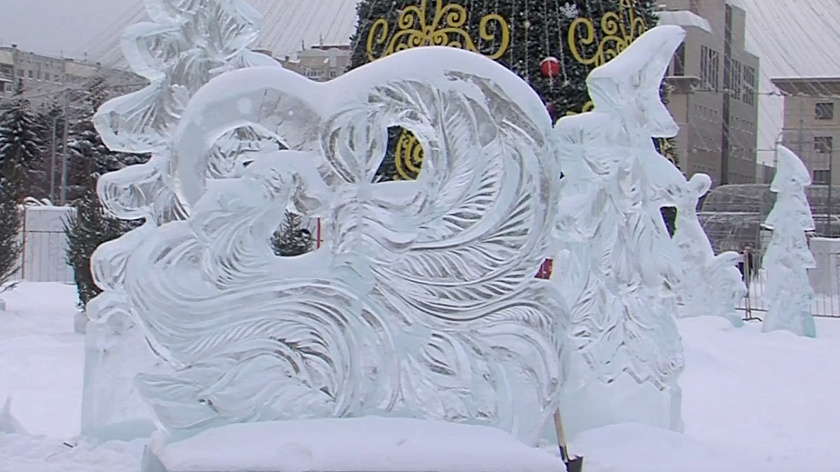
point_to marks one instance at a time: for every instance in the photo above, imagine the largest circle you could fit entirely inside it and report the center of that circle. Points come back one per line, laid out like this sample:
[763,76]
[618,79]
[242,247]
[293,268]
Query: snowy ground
[752,402]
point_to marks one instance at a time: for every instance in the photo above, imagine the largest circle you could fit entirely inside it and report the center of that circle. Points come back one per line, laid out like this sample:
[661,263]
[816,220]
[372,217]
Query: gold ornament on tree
[446,29]
[618,29]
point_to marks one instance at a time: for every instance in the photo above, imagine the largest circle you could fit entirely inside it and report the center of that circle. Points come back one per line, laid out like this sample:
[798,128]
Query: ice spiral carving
[788,257]
[619,267]
[186,44]
[423,303]
[713,284]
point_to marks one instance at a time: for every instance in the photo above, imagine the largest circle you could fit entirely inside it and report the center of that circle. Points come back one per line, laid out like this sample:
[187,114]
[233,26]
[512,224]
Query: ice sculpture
[185,45]
[788,257]
[619,267]
[712,284]
[423,303]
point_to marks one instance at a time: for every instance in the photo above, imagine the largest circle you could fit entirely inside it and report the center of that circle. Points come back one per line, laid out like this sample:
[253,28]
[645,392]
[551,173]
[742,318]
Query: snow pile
[19,453]
[348,445]
[752,401]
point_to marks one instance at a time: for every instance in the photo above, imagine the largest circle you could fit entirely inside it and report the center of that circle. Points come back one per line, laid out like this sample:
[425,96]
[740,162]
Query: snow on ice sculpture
[422,304]
[186,44]
[712,284]
[618,267]
[788,257]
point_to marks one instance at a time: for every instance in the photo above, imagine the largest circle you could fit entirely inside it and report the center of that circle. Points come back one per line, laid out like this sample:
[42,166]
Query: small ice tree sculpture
[712,284]
[621,266]
[788,258]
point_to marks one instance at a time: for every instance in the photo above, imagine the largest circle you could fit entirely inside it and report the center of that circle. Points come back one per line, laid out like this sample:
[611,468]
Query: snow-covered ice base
[370,444]
[752,401]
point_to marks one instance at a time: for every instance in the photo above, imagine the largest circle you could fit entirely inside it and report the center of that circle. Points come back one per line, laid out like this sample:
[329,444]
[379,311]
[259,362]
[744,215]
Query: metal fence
[732,217]
[825,280]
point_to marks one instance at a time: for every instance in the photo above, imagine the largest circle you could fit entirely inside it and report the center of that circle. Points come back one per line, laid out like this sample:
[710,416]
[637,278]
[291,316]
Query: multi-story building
[811,124]
[713,80]
[40,78]
[321,62]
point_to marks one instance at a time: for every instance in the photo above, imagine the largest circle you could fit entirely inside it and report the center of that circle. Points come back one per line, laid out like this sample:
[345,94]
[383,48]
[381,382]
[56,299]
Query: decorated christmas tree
[552,45]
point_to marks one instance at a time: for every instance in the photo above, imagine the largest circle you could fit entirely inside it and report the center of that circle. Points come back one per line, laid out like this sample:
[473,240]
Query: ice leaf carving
[620,267]
[713,284]
[788,257]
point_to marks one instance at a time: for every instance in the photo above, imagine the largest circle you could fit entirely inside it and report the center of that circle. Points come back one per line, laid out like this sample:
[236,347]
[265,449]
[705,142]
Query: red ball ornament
[550,67]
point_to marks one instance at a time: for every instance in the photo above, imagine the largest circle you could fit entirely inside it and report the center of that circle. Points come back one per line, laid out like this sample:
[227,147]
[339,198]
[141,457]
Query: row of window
[33,75]
[710,68]
[821,177]
[742,78]
[317,74]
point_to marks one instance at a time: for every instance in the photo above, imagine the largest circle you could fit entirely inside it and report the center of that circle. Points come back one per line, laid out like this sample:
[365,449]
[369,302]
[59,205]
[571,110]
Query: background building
[811,124]
[321,62]
[713,80]
[40,79]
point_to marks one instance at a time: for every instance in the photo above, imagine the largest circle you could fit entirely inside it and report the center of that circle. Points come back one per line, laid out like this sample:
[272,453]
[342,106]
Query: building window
[749,85]
[31,75]
[823,144]
[821,177]
[710,68]
[824,111]
[679,61]
[734,84]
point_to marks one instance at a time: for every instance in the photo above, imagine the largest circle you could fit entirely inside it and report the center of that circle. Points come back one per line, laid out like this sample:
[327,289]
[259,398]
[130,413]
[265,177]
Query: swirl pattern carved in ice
[423,302]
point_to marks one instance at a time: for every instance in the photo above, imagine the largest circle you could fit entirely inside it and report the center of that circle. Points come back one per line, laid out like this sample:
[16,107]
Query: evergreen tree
[292,239]
[11,221]
[21,144]
[86,230]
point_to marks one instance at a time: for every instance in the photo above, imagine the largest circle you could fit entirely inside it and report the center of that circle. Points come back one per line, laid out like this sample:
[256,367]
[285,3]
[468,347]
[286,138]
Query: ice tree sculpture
[712,284]
[788,257]
[186,44]
[423,303]
[618,266]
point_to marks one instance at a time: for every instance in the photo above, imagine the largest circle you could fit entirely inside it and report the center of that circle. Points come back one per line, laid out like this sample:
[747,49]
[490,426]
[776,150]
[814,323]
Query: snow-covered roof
[684,18]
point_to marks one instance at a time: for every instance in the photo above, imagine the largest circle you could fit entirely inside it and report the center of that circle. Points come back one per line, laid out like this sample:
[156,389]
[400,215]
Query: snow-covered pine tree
[21,144]
[292,238]
[10,225]
[86,230]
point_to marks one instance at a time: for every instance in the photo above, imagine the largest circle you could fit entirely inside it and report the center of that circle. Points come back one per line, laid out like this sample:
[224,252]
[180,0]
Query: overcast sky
[792,37]
[53,26]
